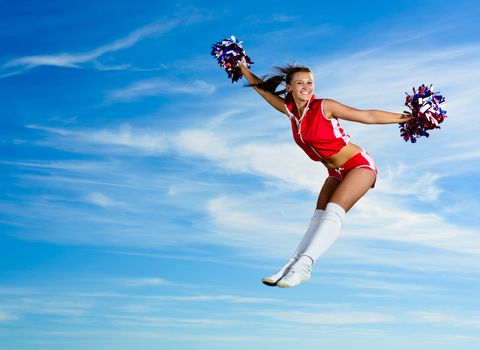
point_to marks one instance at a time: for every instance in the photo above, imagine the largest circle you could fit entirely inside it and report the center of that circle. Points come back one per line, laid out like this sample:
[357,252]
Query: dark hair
[271,83]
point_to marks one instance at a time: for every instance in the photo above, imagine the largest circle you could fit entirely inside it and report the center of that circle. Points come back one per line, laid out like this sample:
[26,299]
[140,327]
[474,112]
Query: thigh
[353,186]
[326,192]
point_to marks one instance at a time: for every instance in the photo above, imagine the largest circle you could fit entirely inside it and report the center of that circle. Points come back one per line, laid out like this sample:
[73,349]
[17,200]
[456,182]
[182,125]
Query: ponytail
[271,83]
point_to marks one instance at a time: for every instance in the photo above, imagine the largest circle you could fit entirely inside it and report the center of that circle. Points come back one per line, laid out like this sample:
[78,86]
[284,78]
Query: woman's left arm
[332,108]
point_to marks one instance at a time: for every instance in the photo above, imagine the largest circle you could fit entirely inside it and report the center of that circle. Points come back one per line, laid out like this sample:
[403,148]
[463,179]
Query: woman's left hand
[405,117]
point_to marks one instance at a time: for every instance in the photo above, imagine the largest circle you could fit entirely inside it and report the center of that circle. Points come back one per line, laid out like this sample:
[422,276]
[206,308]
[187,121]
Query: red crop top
[318,136]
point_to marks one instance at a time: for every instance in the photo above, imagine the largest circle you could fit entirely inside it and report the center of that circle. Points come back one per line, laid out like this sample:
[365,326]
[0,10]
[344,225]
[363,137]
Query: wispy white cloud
[77,60]
[196,298]
[340,316]
[136,309]
[144,282]
[278,160]
[140,313]
[332,318]
[378,284]
[445,318]
[17,291]
[129,334]
[283,163]
[59,131]
[11,73]
[75,166]
[6,316]
[125,136]
[48,305]
[202,259]
[238,221]
[157,87]
[282,17]
[456,338]
[191,298]
[145,141]
[383,218]
[228,298]
[113,67]
[170,322]
[271,159]
[102,67]
[401,179]
[100,199]
[277,17]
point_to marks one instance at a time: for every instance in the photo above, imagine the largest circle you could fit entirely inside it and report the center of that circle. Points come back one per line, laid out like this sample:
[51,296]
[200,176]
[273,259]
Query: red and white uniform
[321,138]
[360,160]
[318,136]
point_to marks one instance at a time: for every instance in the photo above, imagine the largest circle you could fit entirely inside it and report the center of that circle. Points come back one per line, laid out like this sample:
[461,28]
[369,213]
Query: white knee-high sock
[312,228]
[314,222]
[327,231]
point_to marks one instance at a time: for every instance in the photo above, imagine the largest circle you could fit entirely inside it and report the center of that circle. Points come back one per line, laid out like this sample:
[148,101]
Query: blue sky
[144,196]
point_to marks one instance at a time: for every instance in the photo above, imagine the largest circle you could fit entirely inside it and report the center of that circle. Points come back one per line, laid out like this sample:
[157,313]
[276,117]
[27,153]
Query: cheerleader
[316,129]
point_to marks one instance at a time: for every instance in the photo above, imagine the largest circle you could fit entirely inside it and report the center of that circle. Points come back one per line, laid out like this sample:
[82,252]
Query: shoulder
[333,108]
[323,106]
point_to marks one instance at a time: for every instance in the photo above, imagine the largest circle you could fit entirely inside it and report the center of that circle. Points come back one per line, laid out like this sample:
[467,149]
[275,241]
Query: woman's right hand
[242,62]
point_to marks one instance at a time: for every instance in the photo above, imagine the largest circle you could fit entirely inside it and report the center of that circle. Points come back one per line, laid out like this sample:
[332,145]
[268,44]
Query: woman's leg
[325,193]
[354,185]
[344,195]
[323,198]
[328,188]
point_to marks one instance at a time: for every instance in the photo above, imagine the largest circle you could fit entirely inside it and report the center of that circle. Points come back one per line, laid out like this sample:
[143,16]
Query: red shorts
[360,160]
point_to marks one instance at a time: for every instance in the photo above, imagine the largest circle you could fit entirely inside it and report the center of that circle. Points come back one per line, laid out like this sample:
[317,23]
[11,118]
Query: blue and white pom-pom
[228,53]
[427,113]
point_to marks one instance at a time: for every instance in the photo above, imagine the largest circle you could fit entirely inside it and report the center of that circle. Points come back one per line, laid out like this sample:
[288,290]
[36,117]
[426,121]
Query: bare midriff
[342,156]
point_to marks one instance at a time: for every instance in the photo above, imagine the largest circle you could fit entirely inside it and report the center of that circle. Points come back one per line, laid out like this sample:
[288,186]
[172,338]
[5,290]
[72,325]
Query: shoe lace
[300,268]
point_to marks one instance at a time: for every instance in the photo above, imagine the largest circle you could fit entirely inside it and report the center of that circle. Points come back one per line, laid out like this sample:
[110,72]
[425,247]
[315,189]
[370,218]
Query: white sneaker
[299,272]
[273,279]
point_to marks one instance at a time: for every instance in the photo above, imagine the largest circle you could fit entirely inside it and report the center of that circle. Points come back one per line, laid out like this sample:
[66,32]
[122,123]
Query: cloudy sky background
[144,196]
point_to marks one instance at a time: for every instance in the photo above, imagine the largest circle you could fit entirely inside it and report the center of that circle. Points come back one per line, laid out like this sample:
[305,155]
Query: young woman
[352,171]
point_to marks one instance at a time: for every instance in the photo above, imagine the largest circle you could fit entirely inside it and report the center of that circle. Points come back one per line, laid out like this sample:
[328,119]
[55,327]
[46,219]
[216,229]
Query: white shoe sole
[282,284]
[272,280]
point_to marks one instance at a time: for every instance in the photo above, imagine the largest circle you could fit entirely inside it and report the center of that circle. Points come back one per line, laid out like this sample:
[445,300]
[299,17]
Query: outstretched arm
[338,110]
[275,101]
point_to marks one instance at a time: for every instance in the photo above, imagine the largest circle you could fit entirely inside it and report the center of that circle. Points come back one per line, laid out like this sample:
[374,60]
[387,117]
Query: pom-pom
[228,53]
[427,113]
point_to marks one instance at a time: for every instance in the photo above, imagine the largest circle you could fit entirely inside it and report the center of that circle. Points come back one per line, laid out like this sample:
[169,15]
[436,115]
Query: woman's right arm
[275,101]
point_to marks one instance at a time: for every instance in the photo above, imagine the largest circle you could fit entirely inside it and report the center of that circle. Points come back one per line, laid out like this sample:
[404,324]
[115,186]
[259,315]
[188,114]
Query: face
[301,86]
